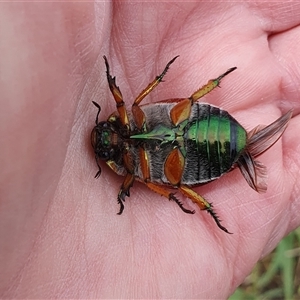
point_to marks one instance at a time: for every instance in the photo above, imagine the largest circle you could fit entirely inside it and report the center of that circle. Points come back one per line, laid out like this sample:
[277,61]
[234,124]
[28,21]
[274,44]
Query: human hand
[60,235]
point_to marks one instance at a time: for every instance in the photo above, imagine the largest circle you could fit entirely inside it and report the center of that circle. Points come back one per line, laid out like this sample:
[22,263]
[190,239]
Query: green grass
[277,276]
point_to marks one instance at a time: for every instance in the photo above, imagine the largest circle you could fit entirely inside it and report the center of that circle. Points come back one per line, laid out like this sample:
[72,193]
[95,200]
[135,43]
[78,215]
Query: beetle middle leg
[202,203]
[174,166]
[155,187]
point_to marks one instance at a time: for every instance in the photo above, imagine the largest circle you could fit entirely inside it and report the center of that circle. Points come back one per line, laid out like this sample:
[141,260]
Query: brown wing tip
[259,140]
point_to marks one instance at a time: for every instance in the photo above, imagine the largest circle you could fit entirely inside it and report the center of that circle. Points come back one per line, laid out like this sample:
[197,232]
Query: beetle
[179,143]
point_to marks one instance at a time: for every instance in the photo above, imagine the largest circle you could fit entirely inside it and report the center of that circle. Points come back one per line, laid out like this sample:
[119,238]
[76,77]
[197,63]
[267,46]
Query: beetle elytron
[179,143]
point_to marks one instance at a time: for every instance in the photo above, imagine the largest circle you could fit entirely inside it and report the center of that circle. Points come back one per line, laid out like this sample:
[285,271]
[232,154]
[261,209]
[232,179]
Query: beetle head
[104,138]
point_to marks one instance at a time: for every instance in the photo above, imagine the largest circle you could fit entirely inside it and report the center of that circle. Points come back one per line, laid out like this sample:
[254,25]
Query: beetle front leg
[202,203]
[117,95]
[128,181]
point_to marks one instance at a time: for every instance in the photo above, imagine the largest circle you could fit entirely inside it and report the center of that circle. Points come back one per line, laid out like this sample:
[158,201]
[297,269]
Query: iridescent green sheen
[214,143]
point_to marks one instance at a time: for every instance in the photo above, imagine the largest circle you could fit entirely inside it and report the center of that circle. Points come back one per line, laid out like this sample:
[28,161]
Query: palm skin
[60,235]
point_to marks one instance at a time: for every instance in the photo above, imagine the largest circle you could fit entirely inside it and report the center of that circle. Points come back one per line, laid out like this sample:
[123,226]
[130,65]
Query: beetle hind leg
[207,88]
[203,204]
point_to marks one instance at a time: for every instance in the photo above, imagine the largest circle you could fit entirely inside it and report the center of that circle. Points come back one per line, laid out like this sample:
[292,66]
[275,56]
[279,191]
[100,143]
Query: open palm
[60,235]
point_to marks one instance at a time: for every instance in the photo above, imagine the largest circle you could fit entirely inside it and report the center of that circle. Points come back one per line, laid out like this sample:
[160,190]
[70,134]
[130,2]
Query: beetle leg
[124,191]
[213,83]
[117,95]
[126,185]
[163,192]
[144,162]
[128,180]
[174,166]
[155,187]
[153,84]
[202,203]
[181,111]
[138,114]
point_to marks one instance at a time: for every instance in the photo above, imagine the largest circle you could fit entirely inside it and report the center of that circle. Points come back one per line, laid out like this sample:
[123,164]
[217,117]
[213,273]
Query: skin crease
[59,232]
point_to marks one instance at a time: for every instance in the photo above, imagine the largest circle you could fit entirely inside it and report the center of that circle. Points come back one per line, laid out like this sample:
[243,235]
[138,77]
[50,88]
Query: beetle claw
[187,211]
[121,208]
[121,198]
[216,218]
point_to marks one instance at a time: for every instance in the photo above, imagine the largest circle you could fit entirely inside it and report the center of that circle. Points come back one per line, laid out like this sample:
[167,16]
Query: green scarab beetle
[180,143]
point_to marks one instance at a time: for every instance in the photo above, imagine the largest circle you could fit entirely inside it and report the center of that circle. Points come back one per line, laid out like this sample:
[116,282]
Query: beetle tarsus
[216,218]
[160,77]
[225,74]
[121,199]
[187,211]
[121,208]
[207,88]
[111,80]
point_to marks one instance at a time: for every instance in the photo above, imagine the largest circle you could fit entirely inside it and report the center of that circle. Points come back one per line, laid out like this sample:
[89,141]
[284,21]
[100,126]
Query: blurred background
[277,276]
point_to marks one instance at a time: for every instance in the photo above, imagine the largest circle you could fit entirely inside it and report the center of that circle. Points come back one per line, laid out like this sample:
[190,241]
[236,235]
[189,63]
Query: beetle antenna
[99,168]
[99,109]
